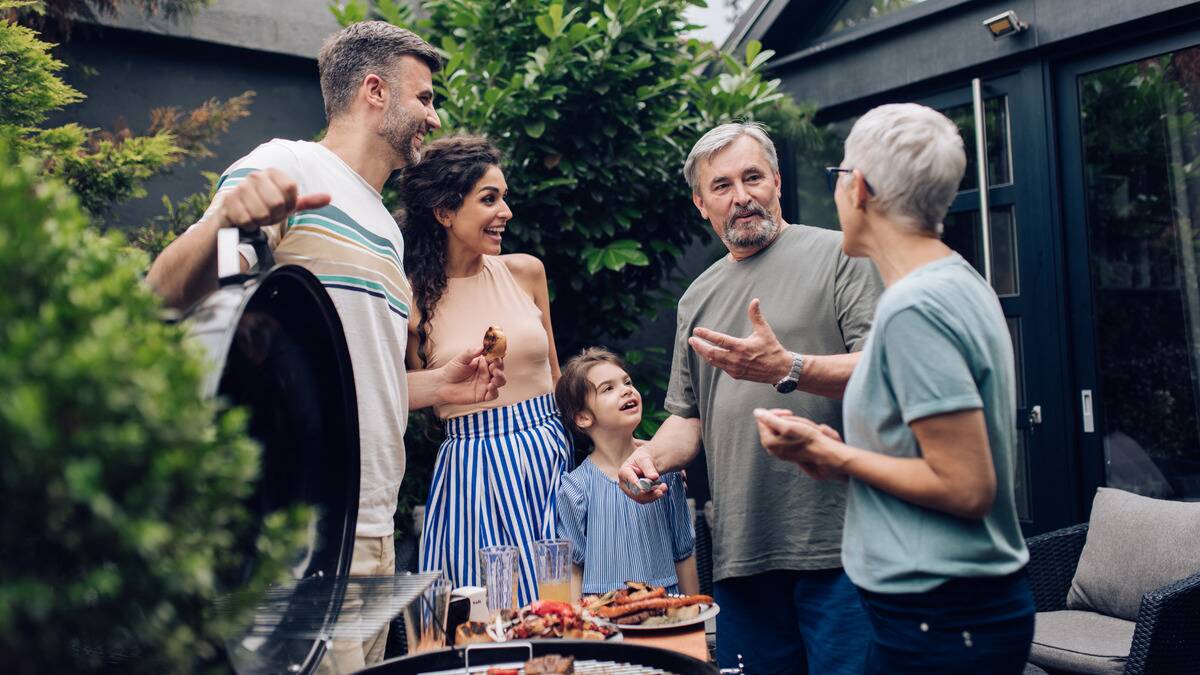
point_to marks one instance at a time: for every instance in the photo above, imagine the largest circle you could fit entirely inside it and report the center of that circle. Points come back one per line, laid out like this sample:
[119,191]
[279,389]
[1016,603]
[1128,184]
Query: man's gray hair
[363,48]
[913,159]
[719,138]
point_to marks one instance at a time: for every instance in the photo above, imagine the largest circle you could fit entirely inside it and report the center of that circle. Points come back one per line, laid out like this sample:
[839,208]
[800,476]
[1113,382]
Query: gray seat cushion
[1081,642]
[1134,545]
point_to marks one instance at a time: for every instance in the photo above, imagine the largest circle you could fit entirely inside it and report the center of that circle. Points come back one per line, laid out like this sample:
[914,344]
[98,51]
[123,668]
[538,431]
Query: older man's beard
[399,130]
[752,234]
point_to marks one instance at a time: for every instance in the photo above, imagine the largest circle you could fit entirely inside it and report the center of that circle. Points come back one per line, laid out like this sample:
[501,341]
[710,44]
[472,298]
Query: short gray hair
[913,158]
[719,138]
[361,48]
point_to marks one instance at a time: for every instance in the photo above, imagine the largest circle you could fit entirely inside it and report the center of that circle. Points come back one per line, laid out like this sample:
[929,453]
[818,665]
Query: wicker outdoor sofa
[1166,633]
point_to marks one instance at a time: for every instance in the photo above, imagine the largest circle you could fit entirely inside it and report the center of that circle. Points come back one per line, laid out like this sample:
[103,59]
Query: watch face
[786,387]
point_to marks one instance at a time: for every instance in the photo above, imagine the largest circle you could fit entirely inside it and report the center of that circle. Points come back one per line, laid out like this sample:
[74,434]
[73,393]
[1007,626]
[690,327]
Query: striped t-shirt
[616,539]
[354,247]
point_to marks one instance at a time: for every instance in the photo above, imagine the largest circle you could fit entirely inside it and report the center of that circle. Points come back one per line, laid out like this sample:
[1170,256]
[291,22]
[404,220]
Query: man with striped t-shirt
[321,208]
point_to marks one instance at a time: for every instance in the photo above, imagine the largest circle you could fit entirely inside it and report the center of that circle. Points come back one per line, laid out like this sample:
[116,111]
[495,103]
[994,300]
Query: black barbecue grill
[276,346]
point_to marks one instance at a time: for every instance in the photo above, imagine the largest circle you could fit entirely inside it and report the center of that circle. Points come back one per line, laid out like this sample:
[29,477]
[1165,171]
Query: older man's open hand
[758,357]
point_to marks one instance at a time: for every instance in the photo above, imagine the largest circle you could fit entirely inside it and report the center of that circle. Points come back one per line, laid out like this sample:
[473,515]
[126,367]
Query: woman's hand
[469,378]
[802,441]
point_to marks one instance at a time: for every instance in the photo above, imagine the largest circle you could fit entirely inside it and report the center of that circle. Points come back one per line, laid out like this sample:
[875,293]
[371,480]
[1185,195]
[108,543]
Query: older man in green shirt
[786,604]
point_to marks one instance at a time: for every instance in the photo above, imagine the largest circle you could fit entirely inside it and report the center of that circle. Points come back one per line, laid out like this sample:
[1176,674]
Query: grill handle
[229,261]
[491,647]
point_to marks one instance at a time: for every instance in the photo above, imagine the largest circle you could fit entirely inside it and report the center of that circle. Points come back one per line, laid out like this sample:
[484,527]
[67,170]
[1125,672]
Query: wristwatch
[788,384]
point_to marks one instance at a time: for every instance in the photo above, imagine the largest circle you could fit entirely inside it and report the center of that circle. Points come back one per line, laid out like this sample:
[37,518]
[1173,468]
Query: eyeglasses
[831,178]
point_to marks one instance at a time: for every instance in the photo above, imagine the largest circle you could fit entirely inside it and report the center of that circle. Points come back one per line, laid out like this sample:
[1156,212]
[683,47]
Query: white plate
[707,612]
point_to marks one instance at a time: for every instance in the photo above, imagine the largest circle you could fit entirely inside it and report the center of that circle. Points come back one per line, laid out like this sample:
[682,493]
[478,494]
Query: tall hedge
[121,488]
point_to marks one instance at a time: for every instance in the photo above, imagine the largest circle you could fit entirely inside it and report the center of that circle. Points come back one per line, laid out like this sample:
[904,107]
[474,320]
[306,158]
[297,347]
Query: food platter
[707,611]
[641,606]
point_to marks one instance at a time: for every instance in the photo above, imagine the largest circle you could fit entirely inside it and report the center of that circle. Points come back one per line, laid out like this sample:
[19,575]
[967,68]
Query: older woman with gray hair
[931,536]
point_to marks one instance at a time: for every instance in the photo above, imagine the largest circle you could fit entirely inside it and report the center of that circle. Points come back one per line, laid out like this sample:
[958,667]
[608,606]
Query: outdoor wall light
[1005,24]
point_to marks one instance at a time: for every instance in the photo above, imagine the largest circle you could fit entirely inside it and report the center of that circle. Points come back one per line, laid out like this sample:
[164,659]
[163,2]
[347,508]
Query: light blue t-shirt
[939,345]
[615,538]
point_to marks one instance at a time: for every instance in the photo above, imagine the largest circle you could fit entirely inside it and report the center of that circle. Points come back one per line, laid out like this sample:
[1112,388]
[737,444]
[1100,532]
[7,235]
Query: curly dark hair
[449,168]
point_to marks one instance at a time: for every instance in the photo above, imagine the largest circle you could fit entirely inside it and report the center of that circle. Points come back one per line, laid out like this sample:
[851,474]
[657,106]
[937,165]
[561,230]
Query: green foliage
[29,89]
[114,170]
[103,167]
[595,107]
[122,488]
[158,232]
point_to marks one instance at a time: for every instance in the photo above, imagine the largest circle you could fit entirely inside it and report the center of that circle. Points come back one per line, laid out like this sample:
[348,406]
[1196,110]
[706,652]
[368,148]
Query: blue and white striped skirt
[495,483]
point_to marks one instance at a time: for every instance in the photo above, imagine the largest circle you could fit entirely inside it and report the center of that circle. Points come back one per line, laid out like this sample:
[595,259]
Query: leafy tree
[123,490]
[595,107]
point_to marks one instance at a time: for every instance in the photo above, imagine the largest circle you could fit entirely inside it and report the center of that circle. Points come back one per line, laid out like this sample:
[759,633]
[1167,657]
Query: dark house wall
[124,74]
[941,39]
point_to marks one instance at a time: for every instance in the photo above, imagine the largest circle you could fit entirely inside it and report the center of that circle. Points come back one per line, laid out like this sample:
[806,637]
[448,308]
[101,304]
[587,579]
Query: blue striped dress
[494,483]
[616,539]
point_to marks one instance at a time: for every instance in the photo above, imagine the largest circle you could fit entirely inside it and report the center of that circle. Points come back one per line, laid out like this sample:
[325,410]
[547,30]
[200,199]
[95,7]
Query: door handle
[981,165]
[1089,415]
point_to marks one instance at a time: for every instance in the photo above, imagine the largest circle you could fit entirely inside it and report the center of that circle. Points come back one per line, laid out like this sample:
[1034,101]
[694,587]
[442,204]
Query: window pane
[814,202]
[1021,477]
[963,233]
[856,12]
[998,150]
[1004,252]
[1140,125]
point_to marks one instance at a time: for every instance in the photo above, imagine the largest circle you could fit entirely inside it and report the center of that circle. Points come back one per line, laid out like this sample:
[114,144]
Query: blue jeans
[791,622]
[981,626]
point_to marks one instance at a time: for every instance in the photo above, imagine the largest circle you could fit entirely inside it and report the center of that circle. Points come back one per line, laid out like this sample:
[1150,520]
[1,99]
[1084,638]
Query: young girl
[499,468]
[614,538]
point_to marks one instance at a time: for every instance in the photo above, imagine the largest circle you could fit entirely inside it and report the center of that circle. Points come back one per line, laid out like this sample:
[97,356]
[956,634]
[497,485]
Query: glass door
[1024,264]
[1131,177]
[1025,260]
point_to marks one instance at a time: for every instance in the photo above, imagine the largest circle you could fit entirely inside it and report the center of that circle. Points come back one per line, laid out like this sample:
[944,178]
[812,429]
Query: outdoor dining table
[689,640]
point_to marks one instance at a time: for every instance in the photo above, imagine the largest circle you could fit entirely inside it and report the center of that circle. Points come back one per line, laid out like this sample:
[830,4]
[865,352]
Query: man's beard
[399,130]
[756,233]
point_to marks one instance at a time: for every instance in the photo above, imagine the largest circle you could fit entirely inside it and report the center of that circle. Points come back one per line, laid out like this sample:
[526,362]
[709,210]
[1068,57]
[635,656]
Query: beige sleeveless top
[492,298]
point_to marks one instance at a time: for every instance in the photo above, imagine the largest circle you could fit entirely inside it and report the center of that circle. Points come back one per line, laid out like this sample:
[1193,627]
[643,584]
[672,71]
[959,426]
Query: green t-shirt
[940,345]
[769,515]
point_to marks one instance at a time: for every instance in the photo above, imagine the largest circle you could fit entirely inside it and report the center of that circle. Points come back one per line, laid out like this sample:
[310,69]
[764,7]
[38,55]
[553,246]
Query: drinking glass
[499,566]
[552,563]
[425,618]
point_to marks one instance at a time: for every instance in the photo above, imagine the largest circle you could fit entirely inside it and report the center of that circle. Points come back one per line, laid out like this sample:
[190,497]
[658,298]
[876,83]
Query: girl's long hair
[448,169]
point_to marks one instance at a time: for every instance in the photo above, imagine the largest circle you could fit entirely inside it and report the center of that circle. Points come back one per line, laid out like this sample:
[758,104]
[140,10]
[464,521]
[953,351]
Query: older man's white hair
[913,159]
[719,138]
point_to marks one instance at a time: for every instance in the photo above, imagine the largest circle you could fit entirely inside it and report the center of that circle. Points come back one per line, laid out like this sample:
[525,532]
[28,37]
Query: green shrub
[595,105]
[122,489]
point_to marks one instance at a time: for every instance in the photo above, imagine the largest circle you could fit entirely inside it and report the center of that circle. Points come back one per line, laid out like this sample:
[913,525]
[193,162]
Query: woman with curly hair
[499,468]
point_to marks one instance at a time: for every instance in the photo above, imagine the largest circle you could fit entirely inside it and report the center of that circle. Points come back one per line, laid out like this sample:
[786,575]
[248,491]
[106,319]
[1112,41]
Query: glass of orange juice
[552,563]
